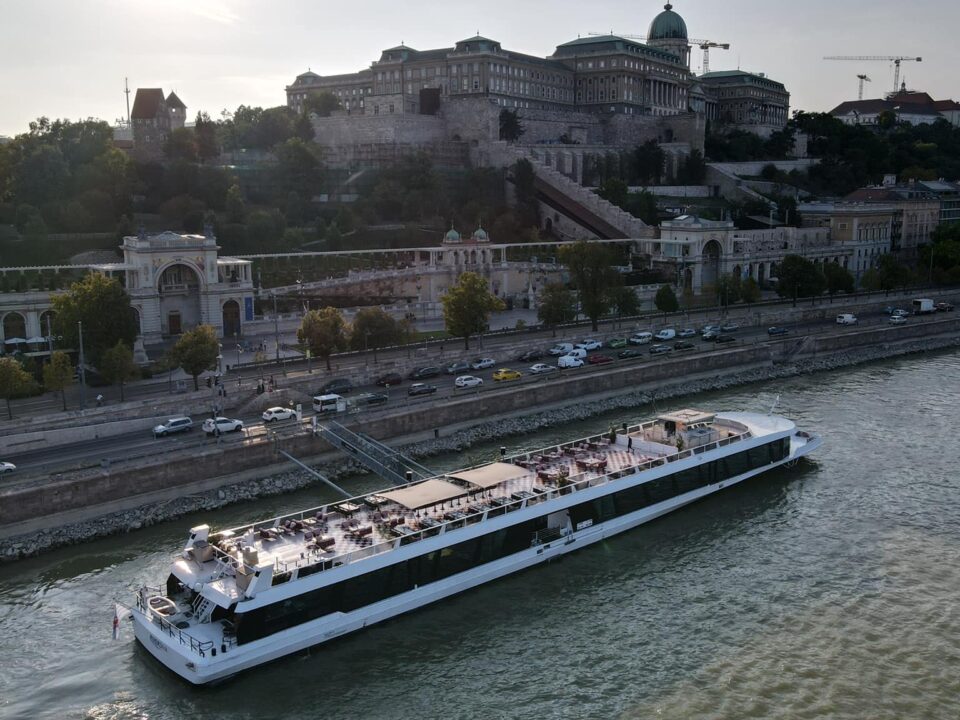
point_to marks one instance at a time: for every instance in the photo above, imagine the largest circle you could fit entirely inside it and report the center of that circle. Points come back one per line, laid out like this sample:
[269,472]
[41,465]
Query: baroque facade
[606,74]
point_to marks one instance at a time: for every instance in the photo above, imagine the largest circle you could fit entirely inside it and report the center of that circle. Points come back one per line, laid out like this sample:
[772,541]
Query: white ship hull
[202,670]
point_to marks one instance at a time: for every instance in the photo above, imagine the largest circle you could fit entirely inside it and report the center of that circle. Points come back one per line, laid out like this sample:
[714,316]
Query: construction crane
[895,59]
[862,79]
[704,45]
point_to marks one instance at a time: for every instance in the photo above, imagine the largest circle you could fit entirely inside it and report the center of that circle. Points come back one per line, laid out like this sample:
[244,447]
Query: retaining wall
[135,478]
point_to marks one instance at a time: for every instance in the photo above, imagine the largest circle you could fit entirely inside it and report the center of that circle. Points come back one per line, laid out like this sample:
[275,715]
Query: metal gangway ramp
[374,455]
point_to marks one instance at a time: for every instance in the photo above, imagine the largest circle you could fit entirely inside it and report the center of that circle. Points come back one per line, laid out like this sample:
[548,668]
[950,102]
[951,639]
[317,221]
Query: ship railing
[200,647]
[565,486]
[328,508]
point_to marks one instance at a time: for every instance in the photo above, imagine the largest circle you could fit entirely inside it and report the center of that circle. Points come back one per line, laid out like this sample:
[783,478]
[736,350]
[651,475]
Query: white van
[641,338]
[667,334]
[569,361]
[329,403]
[846,319]
[578,353]
[561,349]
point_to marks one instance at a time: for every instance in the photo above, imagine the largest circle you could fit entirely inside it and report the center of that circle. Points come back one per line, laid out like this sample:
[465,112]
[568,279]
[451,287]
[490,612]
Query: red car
[599,359]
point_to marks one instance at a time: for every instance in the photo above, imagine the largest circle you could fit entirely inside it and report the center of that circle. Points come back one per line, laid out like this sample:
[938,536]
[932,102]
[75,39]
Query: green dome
[452,236]
[667,26]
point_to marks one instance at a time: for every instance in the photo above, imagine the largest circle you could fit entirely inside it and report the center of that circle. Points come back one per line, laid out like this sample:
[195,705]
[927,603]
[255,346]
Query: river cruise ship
[238,598]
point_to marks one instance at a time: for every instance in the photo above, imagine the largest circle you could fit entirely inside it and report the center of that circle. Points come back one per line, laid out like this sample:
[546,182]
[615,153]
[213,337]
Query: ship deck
[348,530]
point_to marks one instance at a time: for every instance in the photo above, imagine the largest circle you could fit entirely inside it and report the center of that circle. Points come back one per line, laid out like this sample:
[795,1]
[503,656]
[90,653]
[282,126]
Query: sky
[69,58]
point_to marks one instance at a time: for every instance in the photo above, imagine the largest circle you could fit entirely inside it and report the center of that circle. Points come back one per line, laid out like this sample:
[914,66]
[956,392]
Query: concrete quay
[96,502]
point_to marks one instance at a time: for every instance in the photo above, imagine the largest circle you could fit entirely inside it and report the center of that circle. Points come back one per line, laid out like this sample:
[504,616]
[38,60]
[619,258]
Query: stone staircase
[620,224]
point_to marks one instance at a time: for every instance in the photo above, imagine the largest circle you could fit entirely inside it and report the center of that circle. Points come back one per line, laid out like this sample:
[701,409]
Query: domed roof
[480,235]
[451,236]
[667,26]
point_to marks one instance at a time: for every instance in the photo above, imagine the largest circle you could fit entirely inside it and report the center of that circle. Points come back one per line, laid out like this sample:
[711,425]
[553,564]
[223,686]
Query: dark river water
[824,591]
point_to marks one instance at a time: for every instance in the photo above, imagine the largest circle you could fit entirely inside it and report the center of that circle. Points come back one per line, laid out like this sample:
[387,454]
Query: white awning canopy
[429,492]
[491,475]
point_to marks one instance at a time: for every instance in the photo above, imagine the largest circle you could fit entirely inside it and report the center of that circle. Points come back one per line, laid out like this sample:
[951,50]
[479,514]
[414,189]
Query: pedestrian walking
[99,400]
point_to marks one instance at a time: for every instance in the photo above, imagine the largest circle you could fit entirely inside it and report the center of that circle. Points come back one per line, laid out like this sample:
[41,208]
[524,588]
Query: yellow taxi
[507,374]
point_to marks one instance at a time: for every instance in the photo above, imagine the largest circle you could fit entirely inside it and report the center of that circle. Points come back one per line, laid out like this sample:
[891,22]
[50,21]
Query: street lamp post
[276,327]
[239,350]
[83,371]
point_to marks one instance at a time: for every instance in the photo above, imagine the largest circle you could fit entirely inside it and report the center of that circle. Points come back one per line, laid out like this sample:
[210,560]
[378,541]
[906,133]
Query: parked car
[617,343]
[370,398]
[709,329]
[578,352]
[898,319]
[569,361]
[483,363]
[424,372]
[467,381]
[847,319]
[421,389]
[7,467]
[666,334]
[686,333]
[944,307]
[174,425]
[729,327]
[458,367]
[660,349]
[710,335]
[340,386]
[599,359]
[684,346]
[222,425]
[277,413]
[721,339]
[560,349]
[631,353]
[590,345]
[900,312]
[389,379]
[507,374]
[641,338]
[776,330]
[541,369]
[888,310]
[530,355]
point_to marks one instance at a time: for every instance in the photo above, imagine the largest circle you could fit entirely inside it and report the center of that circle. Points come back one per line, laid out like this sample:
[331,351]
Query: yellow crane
[895,59]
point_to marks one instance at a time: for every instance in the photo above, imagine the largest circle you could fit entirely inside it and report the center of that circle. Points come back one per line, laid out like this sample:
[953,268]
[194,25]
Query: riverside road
[141,443]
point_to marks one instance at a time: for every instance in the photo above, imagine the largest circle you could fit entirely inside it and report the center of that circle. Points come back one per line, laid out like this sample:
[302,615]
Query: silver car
[173,425]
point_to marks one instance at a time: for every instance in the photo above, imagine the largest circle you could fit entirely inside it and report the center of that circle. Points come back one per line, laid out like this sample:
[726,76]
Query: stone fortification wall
[689,191]
[339,130]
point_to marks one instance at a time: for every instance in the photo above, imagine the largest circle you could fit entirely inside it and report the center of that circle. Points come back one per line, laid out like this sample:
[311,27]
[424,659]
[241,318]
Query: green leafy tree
[103,306]
[524,184]
[798,277]
[181,145]
[624,301]
[58,375]
[375,328]
[15,382]
[649,160]
[893,273]
[117,366]
[467,307]
[324,331]
[298,168]
[205,137]
[728,290]
[838,279]
[591,269]
[666,300]
[235,206]
[557,305]
[750,291]
[511,129]
[322,103]
[196,351]
[644,206]
[615,191]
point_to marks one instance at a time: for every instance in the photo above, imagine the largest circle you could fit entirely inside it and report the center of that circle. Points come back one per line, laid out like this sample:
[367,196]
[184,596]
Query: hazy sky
[68,58]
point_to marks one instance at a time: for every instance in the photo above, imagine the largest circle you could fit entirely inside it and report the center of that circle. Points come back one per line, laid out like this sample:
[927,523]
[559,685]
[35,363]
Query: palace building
[606,74]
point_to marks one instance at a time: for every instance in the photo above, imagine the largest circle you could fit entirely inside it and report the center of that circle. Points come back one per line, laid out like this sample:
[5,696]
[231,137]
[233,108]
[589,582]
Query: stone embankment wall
[335,467]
